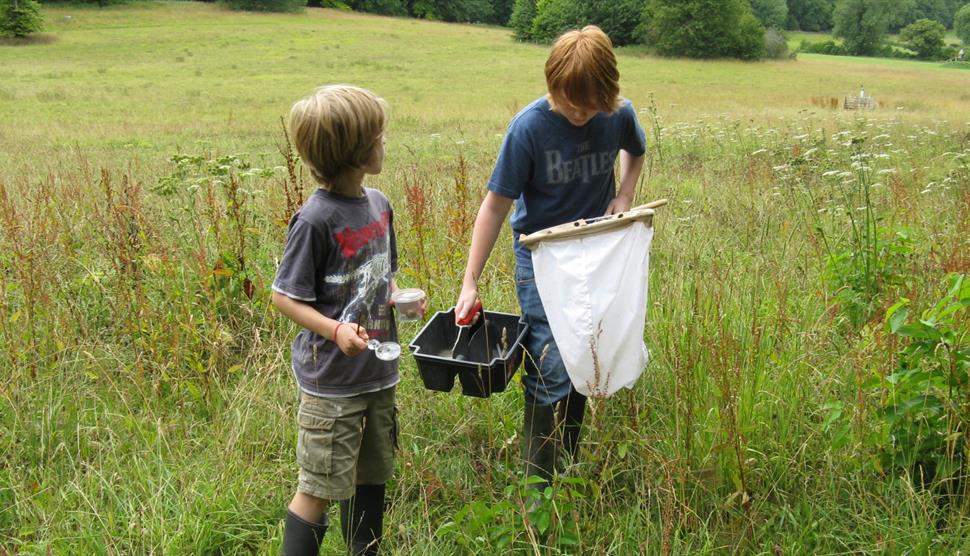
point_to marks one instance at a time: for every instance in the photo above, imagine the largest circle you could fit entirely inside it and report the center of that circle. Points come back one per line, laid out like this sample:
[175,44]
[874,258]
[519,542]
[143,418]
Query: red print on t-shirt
[351,240]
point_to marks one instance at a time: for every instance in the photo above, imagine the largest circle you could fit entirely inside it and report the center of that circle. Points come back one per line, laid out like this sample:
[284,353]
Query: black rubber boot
[362,520]
[571,411]
[302,538]
[538,442]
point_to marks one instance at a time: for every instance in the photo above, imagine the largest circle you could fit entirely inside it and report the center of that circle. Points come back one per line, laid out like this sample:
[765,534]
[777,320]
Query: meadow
[807,388]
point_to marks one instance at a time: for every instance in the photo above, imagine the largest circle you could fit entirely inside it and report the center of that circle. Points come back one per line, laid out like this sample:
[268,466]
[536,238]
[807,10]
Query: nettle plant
[550,512]
[926,415]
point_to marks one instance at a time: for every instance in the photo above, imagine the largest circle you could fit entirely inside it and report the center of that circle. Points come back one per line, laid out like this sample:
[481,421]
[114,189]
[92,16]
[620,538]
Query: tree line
[745,29]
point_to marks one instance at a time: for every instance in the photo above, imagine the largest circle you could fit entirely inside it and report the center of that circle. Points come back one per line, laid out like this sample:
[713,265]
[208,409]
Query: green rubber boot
[570,414]
[539,446]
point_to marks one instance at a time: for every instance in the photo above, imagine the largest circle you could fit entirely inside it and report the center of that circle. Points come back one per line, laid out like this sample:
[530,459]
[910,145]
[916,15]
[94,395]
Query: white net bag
[592,279]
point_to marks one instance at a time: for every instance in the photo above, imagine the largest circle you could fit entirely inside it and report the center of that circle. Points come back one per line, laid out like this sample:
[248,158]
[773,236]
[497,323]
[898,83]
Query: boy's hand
[390,299]
[466,302]
[351,339]
[620,203]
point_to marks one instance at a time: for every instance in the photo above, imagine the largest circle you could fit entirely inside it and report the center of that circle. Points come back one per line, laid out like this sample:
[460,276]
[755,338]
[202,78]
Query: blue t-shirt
[558,172]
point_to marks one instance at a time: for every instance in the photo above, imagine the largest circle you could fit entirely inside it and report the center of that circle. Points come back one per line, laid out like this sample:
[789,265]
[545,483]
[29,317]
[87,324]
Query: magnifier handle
[470,316]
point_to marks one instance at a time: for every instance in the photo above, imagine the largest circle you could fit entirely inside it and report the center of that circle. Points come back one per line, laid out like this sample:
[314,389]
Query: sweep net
[594,291]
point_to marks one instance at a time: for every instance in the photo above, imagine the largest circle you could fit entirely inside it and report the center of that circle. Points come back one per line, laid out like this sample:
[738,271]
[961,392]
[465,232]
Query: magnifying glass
[385,351]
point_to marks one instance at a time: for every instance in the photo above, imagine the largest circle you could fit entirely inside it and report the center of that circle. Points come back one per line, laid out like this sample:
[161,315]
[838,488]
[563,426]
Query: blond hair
[336,129]
[582,69]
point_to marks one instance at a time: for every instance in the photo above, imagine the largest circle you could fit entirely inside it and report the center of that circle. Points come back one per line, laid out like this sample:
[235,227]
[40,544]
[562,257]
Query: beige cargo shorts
[345,441]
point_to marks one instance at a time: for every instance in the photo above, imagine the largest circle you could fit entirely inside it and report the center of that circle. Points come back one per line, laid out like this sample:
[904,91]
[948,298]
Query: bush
[703,29]
[618,19]
[862,24]
[925,37]
[523,12]
[20,18]
[961,24]
[831,48]
[553,17]
[776,47]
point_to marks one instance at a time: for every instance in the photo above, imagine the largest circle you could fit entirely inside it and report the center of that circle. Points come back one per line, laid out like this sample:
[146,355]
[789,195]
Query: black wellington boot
[570,417]
[538,442]
[362,520]
[302,538]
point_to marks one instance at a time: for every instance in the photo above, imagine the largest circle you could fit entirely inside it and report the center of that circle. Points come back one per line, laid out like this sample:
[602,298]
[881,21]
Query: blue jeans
[546,381]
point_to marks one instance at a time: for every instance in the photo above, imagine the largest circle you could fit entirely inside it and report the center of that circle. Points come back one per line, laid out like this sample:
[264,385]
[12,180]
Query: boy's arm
[351,339]
[488,223]
[630,168]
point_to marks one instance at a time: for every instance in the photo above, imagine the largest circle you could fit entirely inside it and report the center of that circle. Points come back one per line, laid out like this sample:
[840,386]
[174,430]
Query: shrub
[831,48]
[523,12]
[925,37]
[20,18]
[924,419]
[703,28]
[862,24]
[776,47]
[553,17]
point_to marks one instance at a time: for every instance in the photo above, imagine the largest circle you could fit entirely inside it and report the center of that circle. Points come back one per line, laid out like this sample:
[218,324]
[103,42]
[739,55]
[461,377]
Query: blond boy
[335,279]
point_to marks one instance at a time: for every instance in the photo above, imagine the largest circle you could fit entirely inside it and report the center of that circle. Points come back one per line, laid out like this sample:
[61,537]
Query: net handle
[585,227]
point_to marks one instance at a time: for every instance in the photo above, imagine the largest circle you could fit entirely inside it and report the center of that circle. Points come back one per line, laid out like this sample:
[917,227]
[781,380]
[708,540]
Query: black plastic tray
[432,346]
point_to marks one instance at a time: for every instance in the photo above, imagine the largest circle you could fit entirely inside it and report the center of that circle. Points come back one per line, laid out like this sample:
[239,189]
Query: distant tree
[20,18]
[523,12]
[771,13]
[952,7]
[464,11]
[383,7]
[618,18]
[501,11]
[961,24]
[908,11]
[862,24]
[810,15]
[555,16]
[925,37]
[704,28]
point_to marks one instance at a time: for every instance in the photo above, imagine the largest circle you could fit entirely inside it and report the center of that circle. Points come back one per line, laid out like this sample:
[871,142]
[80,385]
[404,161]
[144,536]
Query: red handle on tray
[470,315]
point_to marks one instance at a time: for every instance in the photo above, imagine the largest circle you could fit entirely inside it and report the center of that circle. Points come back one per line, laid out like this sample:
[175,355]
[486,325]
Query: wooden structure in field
[859,103]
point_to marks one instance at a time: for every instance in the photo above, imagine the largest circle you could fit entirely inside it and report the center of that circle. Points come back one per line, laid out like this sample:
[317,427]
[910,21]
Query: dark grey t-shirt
[339,258]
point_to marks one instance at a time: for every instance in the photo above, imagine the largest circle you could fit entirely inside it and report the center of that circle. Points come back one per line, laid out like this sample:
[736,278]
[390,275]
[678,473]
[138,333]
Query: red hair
[582,69]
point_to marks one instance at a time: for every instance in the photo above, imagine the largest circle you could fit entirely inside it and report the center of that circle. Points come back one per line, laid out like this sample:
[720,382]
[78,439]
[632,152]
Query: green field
[146,401]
